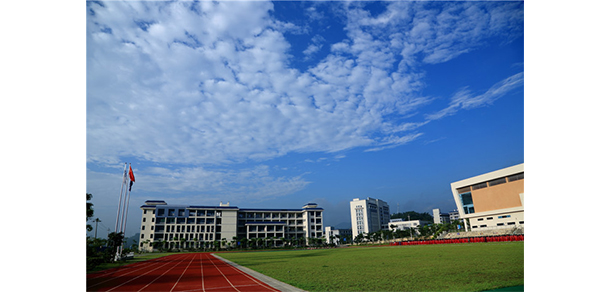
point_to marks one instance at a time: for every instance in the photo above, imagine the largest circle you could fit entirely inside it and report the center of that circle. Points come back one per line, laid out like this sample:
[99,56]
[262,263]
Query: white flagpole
[125,211]
[116,225]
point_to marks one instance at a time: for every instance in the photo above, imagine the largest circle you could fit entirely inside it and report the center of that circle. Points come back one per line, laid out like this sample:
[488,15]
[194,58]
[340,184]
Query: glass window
[160,212]
[515,177]
[497,181]
[466,199]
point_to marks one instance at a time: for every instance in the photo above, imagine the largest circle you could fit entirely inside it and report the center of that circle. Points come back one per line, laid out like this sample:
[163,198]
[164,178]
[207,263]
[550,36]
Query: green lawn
[443,267]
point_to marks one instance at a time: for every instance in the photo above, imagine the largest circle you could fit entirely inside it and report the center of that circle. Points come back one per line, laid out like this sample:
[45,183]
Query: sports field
[444,267]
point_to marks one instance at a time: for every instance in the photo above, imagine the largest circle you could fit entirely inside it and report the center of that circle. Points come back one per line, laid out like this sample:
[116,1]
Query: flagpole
[124,203]
[116,225]
[125,211]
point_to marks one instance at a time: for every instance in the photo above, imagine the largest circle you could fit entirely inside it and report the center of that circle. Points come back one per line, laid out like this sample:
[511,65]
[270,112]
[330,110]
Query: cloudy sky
[277,104]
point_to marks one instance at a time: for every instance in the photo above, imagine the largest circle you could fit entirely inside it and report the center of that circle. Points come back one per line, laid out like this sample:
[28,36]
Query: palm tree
[234,241]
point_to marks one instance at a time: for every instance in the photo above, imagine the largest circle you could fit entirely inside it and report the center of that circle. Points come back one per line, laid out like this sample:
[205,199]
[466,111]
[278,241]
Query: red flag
[131,177]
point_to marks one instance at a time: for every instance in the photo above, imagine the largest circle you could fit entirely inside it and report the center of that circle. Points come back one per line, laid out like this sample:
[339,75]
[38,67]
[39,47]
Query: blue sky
[277,104]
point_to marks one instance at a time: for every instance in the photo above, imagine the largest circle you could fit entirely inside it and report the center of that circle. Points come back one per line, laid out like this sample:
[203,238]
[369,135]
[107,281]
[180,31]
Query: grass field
[443,267]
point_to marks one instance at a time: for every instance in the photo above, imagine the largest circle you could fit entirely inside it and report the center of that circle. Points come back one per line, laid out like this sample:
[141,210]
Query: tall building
[440,218]
[369,215]
[491,200]
[192,226]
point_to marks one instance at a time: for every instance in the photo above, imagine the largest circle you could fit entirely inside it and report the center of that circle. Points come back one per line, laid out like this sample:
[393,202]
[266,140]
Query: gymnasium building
[491,200]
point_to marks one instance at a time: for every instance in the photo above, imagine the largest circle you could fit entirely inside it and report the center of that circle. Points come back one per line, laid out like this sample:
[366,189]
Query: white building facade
[369,215]
[440,218]
[400,224]
[192,226]
[331,234]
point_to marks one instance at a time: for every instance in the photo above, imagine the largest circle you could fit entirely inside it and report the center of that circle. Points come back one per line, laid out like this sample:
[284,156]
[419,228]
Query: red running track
[181,272]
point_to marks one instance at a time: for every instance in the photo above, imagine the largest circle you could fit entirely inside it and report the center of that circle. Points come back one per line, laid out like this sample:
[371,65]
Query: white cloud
[255,183]
[464,99]
[210,83]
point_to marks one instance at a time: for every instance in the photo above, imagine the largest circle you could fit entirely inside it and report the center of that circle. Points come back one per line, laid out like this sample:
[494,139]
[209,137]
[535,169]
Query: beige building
[491,200]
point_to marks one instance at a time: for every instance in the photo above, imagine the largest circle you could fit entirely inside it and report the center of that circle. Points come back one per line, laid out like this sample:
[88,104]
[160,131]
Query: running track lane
[182,272]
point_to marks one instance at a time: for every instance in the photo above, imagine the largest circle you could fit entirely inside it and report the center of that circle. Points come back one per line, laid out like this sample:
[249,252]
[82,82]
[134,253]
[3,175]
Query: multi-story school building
[193,226]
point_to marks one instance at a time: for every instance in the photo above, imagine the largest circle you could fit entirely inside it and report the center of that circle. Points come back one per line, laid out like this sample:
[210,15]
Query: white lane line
[143,275]
[257,281]
[221,272]
[156,277]
[187,266]
[202,284]
[113,275]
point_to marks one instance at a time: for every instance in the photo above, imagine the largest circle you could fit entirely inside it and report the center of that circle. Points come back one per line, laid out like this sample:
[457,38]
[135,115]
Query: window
[479,186]
[466,199]
[480,219]
[510,223]
[473,227]
[497,181]
[180,212]
[171,212]
[143,219]
[143,227]
[467,203]
[490,218]
[160,212]
[515,177]
[500,224]
[505,216]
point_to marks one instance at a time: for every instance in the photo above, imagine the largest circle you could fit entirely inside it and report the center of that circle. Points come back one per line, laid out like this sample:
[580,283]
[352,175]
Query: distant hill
[135,239]
[413,216]
[343,225]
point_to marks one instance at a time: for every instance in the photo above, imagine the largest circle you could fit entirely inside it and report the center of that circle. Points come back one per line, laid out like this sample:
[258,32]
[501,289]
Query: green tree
[89,211]
[412,215]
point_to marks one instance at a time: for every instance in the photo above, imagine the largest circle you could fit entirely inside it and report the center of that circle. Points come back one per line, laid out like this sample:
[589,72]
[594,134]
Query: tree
[234,241]
[89,211]
[412,215]
[359,238]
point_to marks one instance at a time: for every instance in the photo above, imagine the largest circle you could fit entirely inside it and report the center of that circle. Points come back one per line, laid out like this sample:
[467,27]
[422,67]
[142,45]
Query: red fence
[463,240]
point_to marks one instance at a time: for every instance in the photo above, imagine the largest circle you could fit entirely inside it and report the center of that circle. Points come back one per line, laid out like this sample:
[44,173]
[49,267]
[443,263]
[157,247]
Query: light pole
[96,220]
